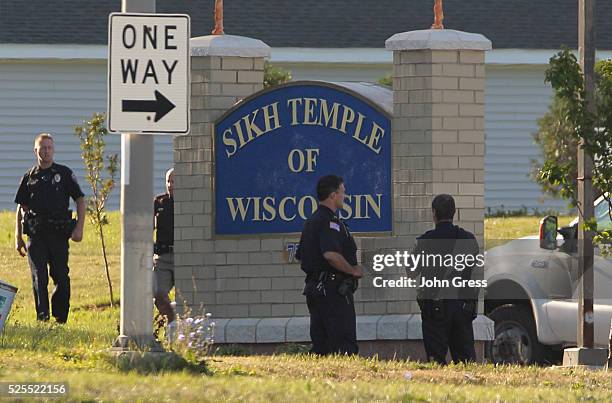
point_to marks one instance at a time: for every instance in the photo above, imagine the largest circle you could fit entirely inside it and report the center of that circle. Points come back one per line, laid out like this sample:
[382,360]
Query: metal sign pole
[136,227]
[586,47]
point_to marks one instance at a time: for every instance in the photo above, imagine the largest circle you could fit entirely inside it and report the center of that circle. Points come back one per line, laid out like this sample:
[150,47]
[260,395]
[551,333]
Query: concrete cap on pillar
[228,45]
[437,39]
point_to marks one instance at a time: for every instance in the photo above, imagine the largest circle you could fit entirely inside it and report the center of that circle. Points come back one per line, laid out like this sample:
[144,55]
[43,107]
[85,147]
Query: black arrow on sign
[161,106]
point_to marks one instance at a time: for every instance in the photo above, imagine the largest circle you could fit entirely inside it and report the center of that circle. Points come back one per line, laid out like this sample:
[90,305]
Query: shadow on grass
[152,362]
[234,350]
[293,349]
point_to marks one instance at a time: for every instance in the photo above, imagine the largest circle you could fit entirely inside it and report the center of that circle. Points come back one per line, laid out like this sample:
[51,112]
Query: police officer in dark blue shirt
[43,200]
[163,249]
[447,303]
[328,256]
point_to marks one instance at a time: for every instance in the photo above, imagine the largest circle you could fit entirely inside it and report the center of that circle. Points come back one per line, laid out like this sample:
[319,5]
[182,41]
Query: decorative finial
[438,15]
[218,18]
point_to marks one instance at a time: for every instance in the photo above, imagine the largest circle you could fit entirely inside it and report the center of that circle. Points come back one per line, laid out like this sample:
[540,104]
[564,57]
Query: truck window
[602,216]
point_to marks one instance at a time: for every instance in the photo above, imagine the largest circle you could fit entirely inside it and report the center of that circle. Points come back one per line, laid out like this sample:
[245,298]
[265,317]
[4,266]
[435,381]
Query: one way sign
[148,73]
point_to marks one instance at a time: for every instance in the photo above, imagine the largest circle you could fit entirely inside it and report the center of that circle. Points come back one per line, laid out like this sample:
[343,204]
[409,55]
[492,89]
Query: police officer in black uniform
[447,312]
[163,260]
[328,255]
[42,213]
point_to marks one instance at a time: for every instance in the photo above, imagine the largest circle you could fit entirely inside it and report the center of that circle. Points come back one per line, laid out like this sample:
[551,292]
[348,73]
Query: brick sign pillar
[438,147]
[224,70]
[438,126]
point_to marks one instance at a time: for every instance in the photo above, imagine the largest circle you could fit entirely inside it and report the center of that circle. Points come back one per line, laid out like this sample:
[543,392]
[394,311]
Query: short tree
[567,81]
[274,75]
[91,136]
[556,143]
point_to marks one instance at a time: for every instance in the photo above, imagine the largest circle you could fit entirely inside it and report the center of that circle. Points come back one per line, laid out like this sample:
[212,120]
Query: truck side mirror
[548,232]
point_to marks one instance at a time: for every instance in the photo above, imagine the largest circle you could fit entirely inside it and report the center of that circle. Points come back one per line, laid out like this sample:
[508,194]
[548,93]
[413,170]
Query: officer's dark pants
[163,281]
[50,249]
[451,330]
[332,322]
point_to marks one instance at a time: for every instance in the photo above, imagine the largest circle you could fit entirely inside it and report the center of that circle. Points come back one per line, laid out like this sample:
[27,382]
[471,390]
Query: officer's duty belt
[160,249]
[327,275]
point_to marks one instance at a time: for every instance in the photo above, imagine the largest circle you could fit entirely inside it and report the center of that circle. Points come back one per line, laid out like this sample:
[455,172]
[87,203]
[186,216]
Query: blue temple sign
[271,148]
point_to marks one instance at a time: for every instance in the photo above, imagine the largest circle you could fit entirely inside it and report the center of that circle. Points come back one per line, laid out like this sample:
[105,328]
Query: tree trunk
[108,279]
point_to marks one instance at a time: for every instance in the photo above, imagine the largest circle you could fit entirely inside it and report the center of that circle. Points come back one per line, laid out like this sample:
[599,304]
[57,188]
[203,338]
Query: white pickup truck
[532,293]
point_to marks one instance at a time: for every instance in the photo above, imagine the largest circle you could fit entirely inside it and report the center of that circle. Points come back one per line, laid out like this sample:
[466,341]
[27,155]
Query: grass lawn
[30,351]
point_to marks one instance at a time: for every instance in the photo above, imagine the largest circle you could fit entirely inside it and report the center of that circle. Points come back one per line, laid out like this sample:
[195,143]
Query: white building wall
[515,98]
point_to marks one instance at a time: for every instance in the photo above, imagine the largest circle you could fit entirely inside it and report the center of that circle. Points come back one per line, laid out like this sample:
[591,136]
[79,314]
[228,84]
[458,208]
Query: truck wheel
[516,340]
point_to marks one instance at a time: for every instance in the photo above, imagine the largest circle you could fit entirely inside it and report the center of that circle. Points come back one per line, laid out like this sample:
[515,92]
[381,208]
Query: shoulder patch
[334,225]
